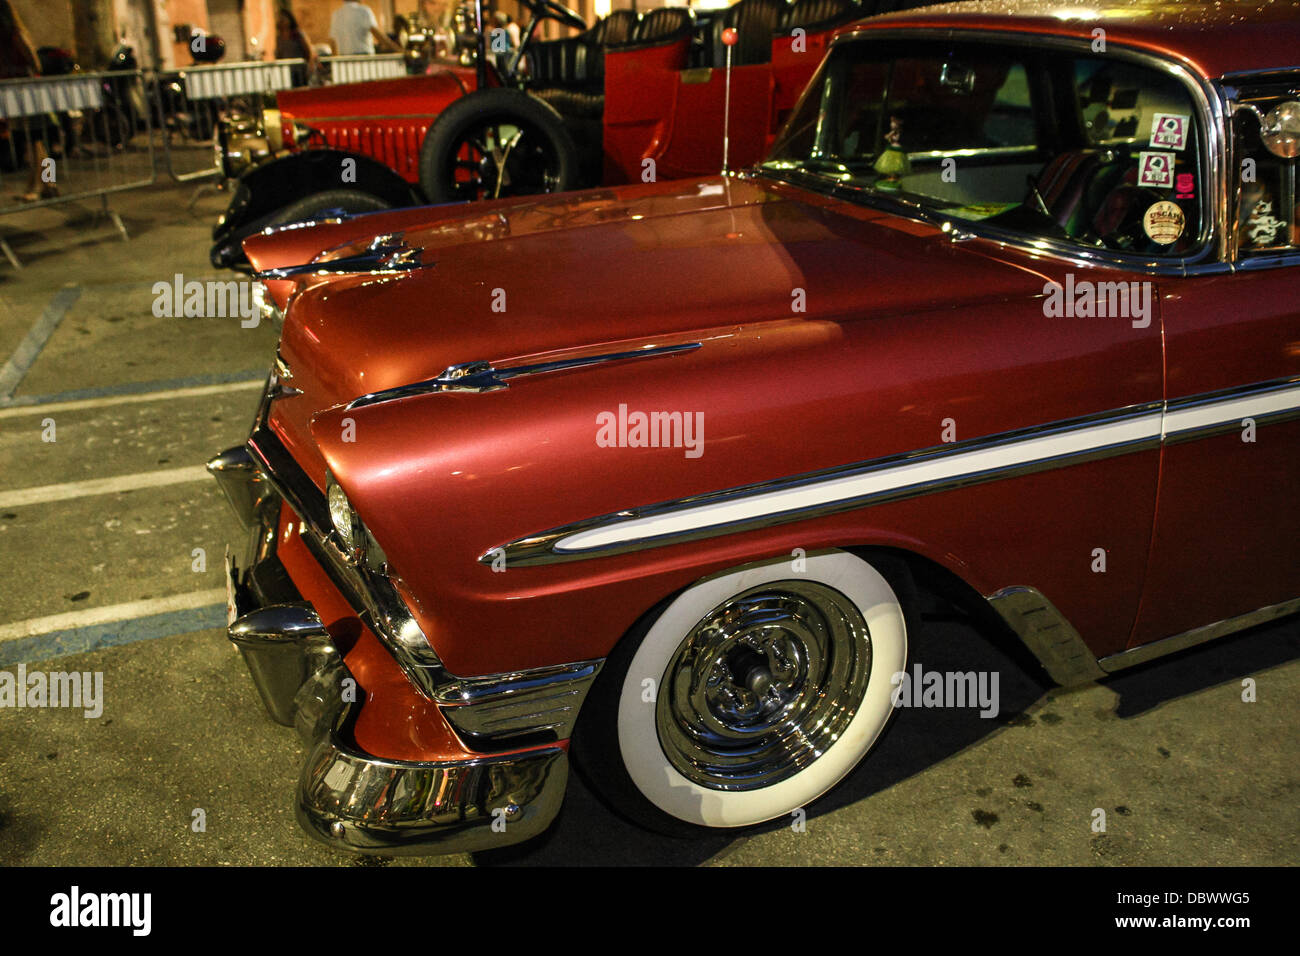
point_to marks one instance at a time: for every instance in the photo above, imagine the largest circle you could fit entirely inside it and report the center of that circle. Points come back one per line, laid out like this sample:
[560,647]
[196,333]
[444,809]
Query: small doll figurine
[892,162]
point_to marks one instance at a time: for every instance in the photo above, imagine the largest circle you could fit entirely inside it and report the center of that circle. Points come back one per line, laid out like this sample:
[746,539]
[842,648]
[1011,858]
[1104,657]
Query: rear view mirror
[957,79]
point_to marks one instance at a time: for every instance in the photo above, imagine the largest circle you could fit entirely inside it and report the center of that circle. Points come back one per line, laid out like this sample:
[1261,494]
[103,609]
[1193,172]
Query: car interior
[976,139]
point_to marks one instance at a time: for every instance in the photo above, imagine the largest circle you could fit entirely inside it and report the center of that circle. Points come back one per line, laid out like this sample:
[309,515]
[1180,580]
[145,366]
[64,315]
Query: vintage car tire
[310,207]
[619,745]
[446,134]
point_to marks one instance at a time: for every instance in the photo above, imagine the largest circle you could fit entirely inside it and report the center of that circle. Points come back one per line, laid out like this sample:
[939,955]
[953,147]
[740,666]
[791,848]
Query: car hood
[607,271]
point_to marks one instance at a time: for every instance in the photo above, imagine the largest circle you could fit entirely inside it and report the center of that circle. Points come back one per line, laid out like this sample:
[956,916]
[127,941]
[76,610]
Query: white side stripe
[832,490]
[1231,410]
[938,470]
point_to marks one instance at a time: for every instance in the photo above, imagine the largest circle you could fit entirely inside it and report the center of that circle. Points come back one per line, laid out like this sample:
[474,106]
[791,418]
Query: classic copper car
[653,477]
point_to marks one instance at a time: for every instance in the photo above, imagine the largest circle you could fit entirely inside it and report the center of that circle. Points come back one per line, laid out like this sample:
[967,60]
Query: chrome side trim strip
[1216,413]
[482,376]
[1197,635]
[1048,635]
[912,474]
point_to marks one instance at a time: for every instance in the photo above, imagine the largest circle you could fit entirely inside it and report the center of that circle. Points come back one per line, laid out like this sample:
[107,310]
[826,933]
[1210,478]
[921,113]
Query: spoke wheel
[503,158]
[495,143]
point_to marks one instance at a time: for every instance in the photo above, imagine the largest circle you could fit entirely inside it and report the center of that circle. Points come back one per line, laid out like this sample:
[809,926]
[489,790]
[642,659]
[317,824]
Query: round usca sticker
[1164,222]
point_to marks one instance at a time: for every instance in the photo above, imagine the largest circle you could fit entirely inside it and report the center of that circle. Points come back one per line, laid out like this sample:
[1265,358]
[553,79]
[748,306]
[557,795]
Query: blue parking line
[78,640]
[11,375]
[137,388]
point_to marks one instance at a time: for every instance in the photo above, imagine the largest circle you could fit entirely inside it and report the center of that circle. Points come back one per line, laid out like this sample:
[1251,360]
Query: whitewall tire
[755,691]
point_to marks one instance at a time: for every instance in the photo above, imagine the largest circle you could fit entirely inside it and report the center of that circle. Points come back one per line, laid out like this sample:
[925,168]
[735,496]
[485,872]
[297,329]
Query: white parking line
[101,486]
[110,614]
[13,371]
[192,392]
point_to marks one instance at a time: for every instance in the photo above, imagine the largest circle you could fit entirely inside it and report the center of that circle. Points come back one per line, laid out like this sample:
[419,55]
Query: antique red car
[653,477]
[635,97]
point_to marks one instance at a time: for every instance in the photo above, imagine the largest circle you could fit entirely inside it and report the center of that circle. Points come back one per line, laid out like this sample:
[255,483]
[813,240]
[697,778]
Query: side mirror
[1279,128]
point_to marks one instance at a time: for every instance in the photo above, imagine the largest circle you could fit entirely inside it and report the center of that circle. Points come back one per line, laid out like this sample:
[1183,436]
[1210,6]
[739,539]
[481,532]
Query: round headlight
[341,516]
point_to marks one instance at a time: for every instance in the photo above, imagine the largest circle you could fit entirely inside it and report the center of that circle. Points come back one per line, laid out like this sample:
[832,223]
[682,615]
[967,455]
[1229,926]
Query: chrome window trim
[1212,242]
[544,547]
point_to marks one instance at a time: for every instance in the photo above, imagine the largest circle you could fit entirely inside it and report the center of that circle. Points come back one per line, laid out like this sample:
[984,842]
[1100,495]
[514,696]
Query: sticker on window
[1156,170]
[1169,131]
[1184,186]
[1163,222]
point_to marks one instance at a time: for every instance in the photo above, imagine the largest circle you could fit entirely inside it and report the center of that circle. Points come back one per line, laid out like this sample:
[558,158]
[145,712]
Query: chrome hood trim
[484,377]
[386,254]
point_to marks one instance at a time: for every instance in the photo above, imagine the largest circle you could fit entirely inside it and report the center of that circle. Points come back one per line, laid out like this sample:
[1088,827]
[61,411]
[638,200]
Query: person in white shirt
[354,30]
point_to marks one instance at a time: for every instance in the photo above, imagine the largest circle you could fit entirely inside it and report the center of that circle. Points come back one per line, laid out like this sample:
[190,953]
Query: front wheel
[749,695]
[496,143]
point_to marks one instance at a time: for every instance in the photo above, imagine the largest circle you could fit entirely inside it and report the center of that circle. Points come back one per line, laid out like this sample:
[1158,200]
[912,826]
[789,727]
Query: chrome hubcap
[763,685]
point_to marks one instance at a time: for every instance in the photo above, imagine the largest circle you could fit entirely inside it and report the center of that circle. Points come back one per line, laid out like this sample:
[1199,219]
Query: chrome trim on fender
[911,474]
[845,488]
[1048,635]
[482,376]
[1197,635]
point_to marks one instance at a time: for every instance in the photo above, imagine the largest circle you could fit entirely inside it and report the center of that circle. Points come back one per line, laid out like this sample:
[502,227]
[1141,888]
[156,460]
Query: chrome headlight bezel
[349,534]
[347,529]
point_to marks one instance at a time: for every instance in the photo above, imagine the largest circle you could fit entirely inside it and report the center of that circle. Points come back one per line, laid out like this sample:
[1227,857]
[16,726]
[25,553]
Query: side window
[1267,210]
[1096,151]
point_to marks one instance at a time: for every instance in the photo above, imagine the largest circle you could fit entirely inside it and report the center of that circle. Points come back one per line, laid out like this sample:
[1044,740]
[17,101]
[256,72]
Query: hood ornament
[484,377]
[386,254]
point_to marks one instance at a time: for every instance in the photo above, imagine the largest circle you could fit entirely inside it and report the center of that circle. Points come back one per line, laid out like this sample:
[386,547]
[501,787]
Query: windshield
[1091,149]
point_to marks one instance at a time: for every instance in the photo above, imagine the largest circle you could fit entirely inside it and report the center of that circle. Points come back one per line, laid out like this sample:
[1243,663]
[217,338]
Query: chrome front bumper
[347,798]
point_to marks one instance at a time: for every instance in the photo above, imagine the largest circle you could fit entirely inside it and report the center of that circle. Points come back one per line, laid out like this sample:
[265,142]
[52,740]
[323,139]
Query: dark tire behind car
[455,165]
[320,204]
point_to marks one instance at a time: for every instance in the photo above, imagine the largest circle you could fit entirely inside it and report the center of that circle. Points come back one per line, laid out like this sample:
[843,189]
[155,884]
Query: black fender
[266,189]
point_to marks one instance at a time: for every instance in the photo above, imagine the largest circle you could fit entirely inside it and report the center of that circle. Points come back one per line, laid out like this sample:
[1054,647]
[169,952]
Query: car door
[1227,535]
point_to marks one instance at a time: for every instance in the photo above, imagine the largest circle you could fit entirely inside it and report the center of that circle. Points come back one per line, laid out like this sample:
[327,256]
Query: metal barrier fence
[358,69]
[191,102]
[88,135]
[75,137]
